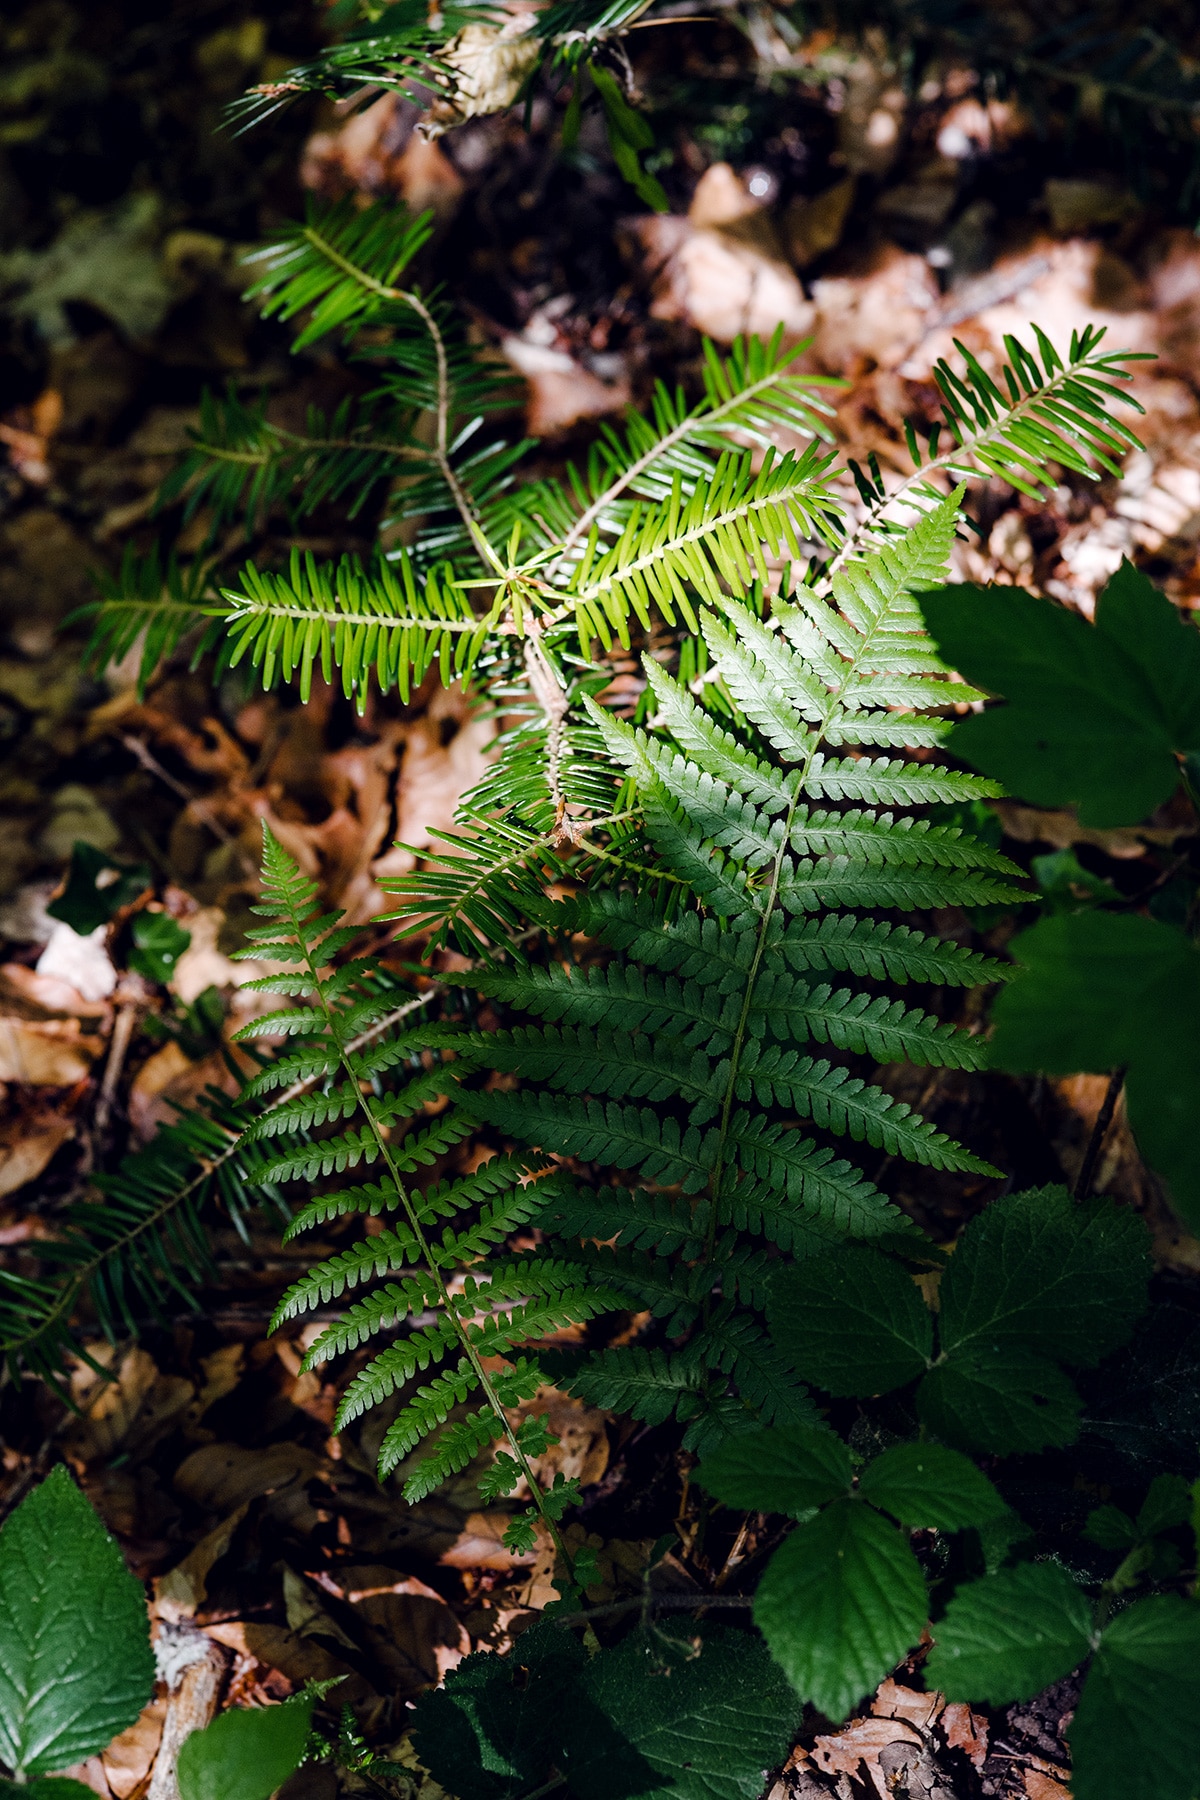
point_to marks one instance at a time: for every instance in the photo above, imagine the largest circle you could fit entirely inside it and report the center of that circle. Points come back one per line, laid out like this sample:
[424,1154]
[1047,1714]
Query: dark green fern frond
[480,1325]
[676,1046]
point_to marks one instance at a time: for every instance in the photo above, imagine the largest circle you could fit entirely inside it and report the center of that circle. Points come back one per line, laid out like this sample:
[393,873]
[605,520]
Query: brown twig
[1108,1106]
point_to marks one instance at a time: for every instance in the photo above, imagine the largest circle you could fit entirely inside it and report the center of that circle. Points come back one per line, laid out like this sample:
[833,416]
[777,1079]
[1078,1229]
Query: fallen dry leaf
[129,1412]
[1040,1786]
[723,269]
[46,1053]
[202,964]
[561,390]
[812,226]
[30,995]
[130,1757]
[479,1546]
[300,1659]
[170,1080]
[219,1477]
[182,1589]
[27,1145]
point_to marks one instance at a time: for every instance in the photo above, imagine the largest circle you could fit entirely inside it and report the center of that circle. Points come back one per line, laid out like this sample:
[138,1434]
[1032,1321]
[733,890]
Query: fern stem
[442,419]
[406,297]
[297,440]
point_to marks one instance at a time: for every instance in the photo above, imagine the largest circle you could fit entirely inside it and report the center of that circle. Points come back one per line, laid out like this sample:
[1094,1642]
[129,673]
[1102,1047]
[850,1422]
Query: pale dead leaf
[723,269]
[129,1412]
[82,962]
[445,753]
[129,1758]
[202,964]
[895,1702]
[491,64]
[561,390]
[46,1053]
[45,996]
[582,1450]
[479,1546]
[875,318]
[859,1744]
[27,1147]
[1040,1786]
[1033,824]
[967,1731]
[169,1080]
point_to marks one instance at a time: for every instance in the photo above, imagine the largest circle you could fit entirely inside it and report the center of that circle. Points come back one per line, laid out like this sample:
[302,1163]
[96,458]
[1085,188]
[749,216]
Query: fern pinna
[500,1303]
[679,1044]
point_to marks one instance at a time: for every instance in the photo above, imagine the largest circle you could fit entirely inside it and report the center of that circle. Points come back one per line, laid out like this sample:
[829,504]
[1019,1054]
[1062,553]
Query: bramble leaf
[245,1754]
[788,1470]
[1094,713]
[1039,1272]
[852,1321]
[1010,1635]
[1100,991]
[999,1399]
[1136,1730]
[75,1660]
[840,1604]
[928,1485]
[670,1724]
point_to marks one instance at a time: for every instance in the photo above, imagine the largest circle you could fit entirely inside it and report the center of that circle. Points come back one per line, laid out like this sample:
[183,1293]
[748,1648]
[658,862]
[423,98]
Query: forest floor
[882,228]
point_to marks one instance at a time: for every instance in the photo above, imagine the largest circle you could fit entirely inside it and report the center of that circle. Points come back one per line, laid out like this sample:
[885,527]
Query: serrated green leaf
[1100,991]
[490,1731]
[1136,1730]
[787,1470]
[1094,713]
[1038,1272]
[243,1754]
[1110,1528]
[851,1321]
[840,1603]
[1010,1635]
[1168,1503]
[999,1399]
[666,1723]
[75,1660]
[929,1486]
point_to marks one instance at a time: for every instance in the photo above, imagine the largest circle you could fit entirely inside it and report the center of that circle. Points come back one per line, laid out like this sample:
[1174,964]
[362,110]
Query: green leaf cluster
[698,1717]
[1104,717]
[1037,1284]
[1136,1730]
[843,1600]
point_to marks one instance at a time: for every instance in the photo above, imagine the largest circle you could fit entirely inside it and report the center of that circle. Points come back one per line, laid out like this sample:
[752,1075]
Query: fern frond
[342,265]
[151,609]
[649,1385]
